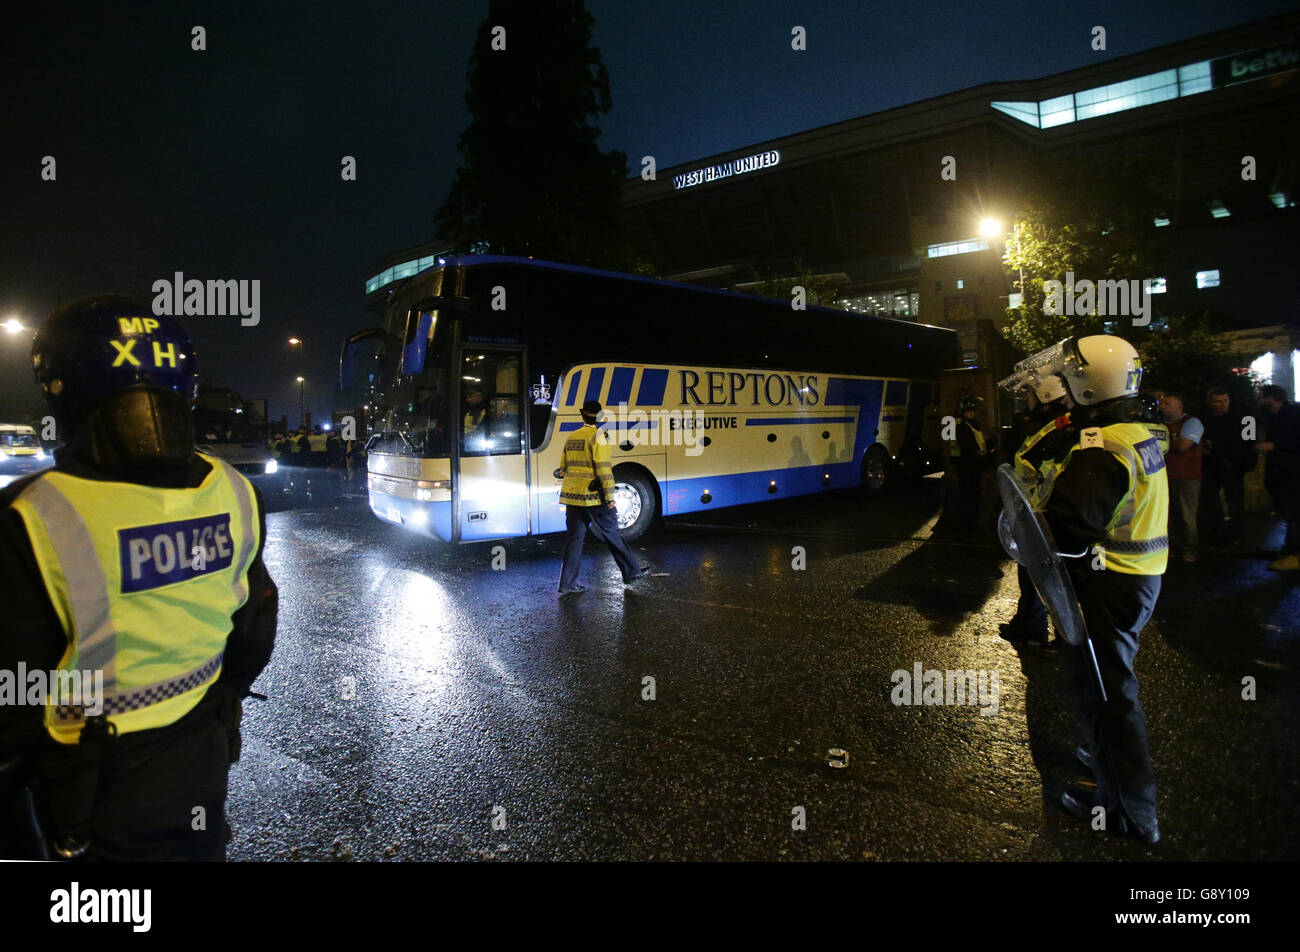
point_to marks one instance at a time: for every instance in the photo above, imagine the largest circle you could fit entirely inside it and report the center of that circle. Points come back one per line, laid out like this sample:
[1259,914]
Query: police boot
[1083,804]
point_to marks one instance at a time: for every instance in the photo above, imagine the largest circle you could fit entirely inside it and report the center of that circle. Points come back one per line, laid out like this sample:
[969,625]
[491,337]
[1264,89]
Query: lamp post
[302,364]
[302,403]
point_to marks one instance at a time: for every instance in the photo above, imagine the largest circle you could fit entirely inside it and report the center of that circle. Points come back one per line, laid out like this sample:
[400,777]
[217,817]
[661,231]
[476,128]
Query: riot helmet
[120,381]
[1091,369]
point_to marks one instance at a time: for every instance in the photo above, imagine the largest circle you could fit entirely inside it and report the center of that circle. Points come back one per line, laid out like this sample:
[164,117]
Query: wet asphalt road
[481,699]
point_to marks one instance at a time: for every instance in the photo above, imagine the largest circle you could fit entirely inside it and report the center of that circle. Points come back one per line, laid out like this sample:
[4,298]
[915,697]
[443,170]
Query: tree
[1093,216]
[534,180]
[816,289]
[1090,216]
[1188,354]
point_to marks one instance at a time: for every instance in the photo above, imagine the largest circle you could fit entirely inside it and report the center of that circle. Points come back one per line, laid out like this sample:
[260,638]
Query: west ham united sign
[711,173]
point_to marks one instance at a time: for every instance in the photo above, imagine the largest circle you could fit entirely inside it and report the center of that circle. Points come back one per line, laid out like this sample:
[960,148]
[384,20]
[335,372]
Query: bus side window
[506,435]
[489,419]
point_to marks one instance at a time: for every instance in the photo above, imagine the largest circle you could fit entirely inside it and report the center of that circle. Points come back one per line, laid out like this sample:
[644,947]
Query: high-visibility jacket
[474,419]
[145,582]
[1136,540]
[1038,461]
[585,466]
[954,451]
[317,442]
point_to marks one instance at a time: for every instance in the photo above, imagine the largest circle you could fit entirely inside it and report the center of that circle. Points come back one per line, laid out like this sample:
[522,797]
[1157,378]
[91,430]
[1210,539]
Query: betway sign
[711,173]
[1255,64]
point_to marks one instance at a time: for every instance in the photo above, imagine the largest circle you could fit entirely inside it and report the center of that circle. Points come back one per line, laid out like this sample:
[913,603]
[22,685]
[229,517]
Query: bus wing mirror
[348,354]
[417,340]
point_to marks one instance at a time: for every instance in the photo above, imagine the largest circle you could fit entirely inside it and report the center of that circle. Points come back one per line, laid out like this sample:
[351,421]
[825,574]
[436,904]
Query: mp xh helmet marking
[120,381]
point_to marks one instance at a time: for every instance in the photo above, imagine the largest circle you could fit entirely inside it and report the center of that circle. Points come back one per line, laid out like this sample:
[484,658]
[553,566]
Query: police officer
[475,412]
[1044,403]
[136,563]
[1101,480]
[971,455]
[588,495]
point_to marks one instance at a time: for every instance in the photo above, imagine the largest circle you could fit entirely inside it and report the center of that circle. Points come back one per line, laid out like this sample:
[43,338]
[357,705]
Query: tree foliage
[1088,216]
[1186,354]
[534,180]
[1093,216]
[774,285]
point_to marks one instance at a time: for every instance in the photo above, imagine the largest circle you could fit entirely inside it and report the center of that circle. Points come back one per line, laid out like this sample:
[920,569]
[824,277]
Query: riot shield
[1025,535]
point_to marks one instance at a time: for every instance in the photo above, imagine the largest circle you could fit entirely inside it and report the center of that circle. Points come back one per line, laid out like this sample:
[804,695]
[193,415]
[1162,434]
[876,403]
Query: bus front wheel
[875,471]
[634,495]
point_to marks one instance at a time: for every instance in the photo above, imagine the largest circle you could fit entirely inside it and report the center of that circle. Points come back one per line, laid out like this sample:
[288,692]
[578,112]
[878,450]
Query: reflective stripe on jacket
[585,464]
[1136,540]
[145,582]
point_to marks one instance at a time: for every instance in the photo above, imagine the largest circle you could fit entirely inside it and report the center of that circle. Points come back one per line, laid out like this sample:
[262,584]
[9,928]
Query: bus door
[490,477]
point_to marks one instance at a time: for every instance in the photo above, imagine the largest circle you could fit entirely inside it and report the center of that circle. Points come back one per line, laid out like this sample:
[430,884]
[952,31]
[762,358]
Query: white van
[20,452]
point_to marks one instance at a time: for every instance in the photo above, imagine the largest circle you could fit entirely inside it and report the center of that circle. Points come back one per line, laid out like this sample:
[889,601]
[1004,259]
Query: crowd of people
[317,448]
[1211,452]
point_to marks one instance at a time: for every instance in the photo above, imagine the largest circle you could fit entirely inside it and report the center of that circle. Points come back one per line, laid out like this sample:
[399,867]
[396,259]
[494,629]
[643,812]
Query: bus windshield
[19,439]
[222,426]
[415,419]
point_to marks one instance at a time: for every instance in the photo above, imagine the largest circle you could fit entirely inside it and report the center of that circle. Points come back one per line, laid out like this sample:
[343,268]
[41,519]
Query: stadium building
[861,204]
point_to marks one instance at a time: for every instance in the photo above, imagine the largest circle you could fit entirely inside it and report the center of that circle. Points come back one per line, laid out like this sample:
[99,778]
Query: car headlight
[272,466]
[40,452]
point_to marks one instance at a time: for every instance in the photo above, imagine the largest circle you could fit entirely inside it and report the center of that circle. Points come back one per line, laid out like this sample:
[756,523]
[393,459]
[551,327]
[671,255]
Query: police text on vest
[157,555]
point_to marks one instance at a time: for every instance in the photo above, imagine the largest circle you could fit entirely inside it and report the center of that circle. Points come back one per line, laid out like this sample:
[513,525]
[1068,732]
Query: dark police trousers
[603,523]
[1031,615]
[1115,606]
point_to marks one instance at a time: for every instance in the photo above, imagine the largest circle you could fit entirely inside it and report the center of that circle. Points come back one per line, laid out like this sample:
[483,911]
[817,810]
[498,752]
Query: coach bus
[712,398]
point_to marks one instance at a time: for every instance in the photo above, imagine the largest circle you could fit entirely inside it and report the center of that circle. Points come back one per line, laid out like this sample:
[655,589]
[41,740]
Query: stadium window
[1161,222]
[1056,112]
[1154,285]
[946,248]
[1194,79]
[960,284]
[1219,210]
[1026,112]
[1207,279]
[1116,97]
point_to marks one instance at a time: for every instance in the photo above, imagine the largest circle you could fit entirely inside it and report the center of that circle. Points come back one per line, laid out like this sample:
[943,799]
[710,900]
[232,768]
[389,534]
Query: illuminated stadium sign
[711,173]
[1256,64]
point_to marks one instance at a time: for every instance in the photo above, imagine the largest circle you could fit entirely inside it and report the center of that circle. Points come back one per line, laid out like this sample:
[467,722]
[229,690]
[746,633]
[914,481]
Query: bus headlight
[272,467]
[419,517]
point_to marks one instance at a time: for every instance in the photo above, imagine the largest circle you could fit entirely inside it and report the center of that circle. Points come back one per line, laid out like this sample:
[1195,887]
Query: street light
[302,403]
[13,325]
[990,228]
[302,362]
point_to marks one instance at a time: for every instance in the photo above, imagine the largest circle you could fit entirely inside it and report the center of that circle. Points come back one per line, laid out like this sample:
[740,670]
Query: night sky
[225,163]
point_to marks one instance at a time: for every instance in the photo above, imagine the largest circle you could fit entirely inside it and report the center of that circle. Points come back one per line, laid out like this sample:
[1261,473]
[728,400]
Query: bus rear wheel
[634,495]
[875,471]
